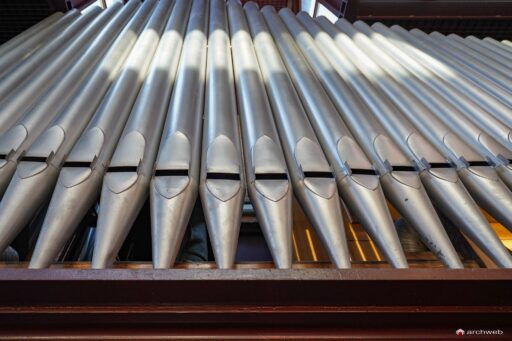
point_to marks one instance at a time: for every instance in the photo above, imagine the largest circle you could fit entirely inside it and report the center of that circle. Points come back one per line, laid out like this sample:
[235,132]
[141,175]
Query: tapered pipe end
[30,186]
[449,195]
[489,192]
[275,219]
[408,196]
[122,197]
[320,201]
[169,216]
[365,199]
[68,206]
[223,218]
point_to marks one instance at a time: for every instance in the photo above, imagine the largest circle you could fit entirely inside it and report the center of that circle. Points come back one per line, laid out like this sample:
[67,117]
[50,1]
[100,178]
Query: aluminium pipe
[474,171]
[400,182]
[423,42]
[79,182]
[15,140]
[40,58]
[222,185]
[457,80]
[267,176]
[20,53]
[501,46]
[41,160]
[493,72]
[497,51]
[439,178]
[376,43]
[497,154]
[312,177]
[490,57]
[358,183]
[174,185]
[24,96]
[507,43]
[14,42]
[126,183]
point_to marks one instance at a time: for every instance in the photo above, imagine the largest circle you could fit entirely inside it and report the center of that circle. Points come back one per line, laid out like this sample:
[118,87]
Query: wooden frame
[312,302]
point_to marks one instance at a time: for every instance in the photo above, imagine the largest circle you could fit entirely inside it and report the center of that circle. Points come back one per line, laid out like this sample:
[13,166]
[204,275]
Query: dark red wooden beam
[354,302]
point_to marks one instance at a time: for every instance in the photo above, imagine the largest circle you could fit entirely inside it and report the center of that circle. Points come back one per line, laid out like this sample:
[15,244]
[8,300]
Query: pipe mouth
[360,171]
[77,164]
[270,176]
[122,169]
[171,172]
[223,176]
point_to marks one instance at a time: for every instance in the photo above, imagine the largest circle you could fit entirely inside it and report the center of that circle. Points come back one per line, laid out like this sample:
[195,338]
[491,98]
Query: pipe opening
[33,159]
[122,169]
[403,169]
[3,156]
[271,176]
[478,163]
[171,172]
[440,165]
[223,176]
[363,171]
[77,164]
[325,175]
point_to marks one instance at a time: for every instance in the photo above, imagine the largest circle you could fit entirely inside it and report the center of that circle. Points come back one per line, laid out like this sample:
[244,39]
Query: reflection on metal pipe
[79,182]
[487,102]
[39,165]
[471,59]
[473,169]
[312,177]
[436,173]
[487,56]
[18,55]
[424,42]
[21,38]
[267,175]
[464,103]
[488,48]
[174,186]
[126,183]
[358,183]
[497,154]
[47,53]
[17,139]
[47,79]
[401,184]
[222,179]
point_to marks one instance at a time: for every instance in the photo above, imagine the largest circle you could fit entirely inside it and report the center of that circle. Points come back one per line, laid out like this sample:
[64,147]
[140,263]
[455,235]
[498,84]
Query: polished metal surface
[11,58]
[437,174]
[40,162]
[46,54]
[425,43]
[175,181]
[76,59]
[463,102]
[312,178]
[126,183]
[21,38]
[222,178]
[399,178]
[268,182]
[78,187]
[358,183]
[172,102]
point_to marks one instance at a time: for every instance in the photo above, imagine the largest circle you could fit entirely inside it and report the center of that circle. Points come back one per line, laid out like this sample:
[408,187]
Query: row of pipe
[175,100]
